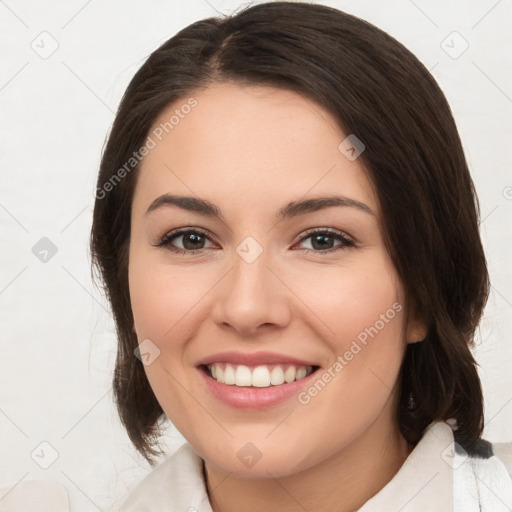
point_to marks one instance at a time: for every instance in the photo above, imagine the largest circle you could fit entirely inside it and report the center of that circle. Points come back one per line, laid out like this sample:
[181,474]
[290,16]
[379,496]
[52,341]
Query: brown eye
[324,241]
[192,240]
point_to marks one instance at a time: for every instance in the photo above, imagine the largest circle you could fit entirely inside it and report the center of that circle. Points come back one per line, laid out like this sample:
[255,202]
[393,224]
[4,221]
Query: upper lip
[255,359]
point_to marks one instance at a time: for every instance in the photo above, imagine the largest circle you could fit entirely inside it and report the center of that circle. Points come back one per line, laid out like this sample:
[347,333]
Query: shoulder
[440,475]
[176,484]
[480,479]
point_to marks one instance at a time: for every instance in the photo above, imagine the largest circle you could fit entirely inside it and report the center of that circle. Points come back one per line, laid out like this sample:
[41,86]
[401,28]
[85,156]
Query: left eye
[322,241]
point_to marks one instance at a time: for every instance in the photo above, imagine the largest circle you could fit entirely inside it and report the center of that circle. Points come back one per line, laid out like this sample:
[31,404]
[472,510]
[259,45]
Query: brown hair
[377,90]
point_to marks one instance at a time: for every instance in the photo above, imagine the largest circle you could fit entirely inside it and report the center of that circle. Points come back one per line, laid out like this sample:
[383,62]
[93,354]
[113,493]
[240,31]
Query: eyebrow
[292,209]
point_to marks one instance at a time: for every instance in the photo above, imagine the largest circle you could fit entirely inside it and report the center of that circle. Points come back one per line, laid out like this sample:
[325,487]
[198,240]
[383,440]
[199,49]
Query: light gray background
[57,337]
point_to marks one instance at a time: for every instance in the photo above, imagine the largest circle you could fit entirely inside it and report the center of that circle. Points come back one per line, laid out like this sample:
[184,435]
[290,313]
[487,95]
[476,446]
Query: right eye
[192,241]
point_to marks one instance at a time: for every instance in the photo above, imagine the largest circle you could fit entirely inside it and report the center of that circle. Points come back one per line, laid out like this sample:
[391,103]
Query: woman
[288,234]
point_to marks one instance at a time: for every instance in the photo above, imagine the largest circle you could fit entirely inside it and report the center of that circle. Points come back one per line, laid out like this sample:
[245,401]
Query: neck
[343,482]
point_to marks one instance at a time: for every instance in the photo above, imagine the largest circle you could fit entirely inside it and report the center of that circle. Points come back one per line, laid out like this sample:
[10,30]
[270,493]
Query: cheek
[361,308]
[355,301]
[163,299]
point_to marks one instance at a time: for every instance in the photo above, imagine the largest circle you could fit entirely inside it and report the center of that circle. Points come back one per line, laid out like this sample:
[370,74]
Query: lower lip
[252,397]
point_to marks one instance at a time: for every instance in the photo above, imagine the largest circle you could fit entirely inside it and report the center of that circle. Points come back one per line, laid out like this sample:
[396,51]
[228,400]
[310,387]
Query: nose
[252,297]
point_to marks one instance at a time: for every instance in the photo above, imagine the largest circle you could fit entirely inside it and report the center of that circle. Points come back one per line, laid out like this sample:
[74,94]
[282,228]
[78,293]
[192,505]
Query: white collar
[175,485]
[424,483]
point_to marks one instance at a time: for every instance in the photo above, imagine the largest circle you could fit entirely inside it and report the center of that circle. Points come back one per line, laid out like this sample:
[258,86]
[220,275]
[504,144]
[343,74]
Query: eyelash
[346,242]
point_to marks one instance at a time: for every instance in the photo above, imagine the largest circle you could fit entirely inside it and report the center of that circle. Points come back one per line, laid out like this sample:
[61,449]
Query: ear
[416,326]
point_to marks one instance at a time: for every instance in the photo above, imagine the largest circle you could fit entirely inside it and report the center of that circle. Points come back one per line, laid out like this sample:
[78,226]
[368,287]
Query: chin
[260,458]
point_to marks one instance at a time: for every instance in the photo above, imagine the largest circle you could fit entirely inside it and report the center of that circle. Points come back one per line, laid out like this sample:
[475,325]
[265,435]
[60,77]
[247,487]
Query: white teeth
[277,376]
[242,376]
[260,376]
[229,375]
[301,373]
[289,374]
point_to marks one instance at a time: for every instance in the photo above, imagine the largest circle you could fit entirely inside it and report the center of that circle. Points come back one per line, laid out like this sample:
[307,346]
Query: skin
[250,150]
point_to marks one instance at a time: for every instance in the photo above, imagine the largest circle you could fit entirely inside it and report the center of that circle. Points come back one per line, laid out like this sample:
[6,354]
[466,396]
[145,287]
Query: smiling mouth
[261,376]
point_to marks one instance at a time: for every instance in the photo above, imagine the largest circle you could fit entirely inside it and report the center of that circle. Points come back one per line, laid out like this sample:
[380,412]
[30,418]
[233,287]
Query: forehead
[249,146]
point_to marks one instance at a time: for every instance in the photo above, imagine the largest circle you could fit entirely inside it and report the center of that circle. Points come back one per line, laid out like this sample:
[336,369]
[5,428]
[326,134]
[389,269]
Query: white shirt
[435,477]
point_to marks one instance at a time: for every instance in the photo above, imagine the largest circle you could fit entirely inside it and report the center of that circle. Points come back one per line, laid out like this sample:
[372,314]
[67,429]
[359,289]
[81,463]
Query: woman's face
[257,278]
